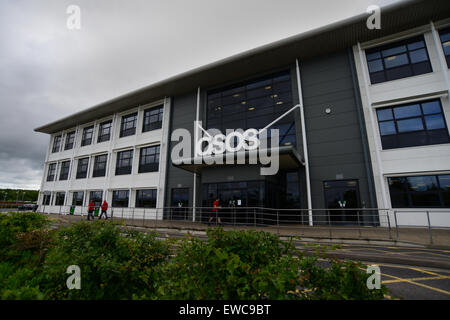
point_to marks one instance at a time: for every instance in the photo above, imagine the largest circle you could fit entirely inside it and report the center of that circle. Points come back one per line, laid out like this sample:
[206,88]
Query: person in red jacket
[215,212]
[104,210]
[91,210]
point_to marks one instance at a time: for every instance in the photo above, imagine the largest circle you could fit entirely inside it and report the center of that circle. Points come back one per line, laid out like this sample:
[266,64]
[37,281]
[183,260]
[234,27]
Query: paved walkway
[436,238]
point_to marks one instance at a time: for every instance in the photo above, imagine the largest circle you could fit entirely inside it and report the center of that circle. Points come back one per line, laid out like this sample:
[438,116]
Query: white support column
[305,144]
[197,117]
[374,124]
[441,55]
[44,176]
[164,156]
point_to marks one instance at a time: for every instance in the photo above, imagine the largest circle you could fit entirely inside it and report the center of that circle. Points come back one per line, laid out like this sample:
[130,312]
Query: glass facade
[77,198]
[128,125]
[82,168]
[146,198]
[149,159]
[46,199]
[51,172]
[104,131]
[240,200]
[64,172]
[120,198]
[420,191]
[254,104]
[56,144]
[88,134]
[100,166]
[398,60]
[96,197]
[153,118]
[445,39]
[416,124]
[59,199]
[70,139]
[124,162]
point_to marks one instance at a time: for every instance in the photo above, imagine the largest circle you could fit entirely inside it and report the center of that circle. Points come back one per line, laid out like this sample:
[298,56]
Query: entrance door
[340,196]
[179,204]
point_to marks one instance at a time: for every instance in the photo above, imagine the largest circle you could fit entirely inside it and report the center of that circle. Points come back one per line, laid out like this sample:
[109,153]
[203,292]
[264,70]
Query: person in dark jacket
[91,210]
[104,210]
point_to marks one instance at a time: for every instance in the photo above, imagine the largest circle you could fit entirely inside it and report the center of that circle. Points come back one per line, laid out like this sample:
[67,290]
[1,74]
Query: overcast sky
[48,71]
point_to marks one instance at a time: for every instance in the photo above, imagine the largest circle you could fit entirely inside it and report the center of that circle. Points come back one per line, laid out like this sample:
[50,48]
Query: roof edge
[236,57]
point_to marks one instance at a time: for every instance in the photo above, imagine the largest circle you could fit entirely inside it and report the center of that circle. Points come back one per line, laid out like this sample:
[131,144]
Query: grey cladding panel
[334,140]
[182,116]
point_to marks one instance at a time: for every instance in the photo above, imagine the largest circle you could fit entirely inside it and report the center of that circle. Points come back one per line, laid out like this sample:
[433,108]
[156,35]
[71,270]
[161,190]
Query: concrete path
[435,238]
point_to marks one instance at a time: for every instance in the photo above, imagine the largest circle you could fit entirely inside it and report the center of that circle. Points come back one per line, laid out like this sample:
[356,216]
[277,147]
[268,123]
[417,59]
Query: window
[153,119]
[87,136]
[82,168]
[416,124]
[399,60]
[293,197]
[149,159]
[56,144]
[180,197]
[146,198]
[120,199]
[64,171]
[96,197]
[420,191]
[254,104]
[51,172]
[445,39]
[100,166]
[59,199]
[77,199]
[128,125]
[70,138]
[46,199]
[104,131]
[124,162]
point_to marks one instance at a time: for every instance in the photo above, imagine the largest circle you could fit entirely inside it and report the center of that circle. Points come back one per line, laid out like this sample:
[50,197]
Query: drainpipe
[305,145]
[194,196]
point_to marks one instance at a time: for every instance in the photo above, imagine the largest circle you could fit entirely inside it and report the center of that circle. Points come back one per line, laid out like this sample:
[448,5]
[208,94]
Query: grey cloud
[47,71]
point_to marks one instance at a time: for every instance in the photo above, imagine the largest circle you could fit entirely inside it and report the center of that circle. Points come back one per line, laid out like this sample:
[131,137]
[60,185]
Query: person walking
[91,210]
[104,210]
[215,212]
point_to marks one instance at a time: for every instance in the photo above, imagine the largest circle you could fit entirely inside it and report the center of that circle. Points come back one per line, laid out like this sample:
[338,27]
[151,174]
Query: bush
[256,265]
[114,263]
[23,241]
[12,224]
[117,263]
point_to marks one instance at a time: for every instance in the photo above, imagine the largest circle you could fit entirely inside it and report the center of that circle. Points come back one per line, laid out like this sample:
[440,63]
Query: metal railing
[363,223]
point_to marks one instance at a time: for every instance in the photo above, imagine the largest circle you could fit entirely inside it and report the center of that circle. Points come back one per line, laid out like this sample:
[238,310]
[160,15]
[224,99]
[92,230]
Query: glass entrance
[234,198]
[179,205]
[340,196]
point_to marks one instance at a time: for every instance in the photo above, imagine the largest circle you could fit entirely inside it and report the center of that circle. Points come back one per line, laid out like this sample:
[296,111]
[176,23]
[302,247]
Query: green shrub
[342,280]
[11,224]
[114,263]
[256,265]
[117,263]
[23,241]
[19,282]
